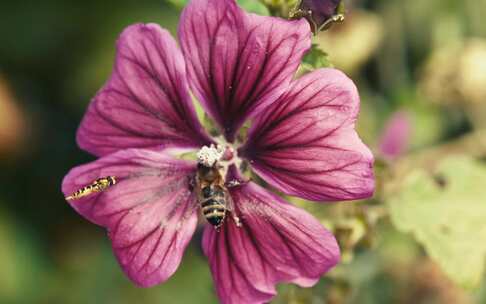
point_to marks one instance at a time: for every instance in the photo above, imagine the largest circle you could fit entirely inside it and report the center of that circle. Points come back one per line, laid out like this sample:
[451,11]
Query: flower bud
[396,137]
[321,14]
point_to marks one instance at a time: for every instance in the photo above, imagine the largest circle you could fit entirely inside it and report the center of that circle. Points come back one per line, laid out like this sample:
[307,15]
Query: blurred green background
[421,239]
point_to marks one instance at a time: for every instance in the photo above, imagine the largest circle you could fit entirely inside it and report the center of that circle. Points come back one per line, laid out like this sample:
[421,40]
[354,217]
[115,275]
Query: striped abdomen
[213,204]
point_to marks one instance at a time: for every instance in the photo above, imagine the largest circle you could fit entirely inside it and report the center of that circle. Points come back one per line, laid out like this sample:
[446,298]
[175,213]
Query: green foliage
[21,263]
[445,214]
[179,3]
[315,59]
[254,6]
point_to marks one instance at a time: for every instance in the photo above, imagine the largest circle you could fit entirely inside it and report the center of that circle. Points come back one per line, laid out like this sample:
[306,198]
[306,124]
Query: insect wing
[231,207]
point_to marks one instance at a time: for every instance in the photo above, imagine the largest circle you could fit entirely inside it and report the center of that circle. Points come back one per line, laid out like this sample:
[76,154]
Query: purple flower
[396,135]
[302,142]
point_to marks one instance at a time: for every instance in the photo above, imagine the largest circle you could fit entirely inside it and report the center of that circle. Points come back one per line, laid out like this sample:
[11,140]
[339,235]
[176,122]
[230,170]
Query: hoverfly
[99,185]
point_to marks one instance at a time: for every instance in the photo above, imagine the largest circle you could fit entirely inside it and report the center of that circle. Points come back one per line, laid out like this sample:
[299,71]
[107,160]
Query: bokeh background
[420,67]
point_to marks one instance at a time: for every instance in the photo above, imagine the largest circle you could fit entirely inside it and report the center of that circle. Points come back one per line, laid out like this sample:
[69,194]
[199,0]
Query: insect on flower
[212,193]
[301,141]
[98,185]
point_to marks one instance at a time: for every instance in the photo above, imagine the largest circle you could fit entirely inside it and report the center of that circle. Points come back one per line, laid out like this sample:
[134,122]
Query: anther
[208,156]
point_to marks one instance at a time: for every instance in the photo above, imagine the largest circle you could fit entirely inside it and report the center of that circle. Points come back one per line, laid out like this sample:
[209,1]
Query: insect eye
[205,171]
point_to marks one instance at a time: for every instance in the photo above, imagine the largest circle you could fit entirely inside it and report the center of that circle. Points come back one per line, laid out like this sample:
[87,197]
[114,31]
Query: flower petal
[146,102]
[277,242]
[305,143]
[150,213]
[237,62]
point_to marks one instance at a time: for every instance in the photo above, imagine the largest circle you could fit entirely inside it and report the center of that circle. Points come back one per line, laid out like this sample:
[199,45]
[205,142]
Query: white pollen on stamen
[208,156]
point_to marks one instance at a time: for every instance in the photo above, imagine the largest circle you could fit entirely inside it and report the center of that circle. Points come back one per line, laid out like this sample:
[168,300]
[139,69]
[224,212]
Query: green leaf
[447,215]
[315,59]
[252,6]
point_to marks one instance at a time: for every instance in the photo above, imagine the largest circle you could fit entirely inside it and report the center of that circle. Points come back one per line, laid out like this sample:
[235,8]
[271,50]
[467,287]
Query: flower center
[222,155]
[208,156]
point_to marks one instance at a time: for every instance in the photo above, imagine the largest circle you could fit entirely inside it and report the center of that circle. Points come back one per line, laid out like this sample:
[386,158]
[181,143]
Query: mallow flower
[301,141]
